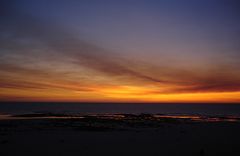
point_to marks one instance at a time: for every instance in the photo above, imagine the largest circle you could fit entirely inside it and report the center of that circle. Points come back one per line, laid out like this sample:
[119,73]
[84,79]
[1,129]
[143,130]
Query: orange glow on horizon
[116,94]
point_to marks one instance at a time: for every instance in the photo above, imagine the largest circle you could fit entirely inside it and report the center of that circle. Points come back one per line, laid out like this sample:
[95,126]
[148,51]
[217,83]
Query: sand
[118,137]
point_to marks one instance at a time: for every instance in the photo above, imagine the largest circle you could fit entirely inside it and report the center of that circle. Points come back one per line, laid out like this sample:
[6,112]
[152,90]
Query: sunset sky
[120,50]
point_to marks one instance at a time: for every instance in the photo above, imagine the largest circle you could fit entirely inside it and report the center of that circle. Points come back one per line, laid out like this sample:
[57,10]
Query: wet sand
[119,135]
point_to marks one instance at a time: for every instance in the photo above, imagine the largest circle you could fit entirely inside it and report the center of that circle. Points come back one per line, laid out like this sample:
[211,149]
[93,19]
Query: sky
[120,50]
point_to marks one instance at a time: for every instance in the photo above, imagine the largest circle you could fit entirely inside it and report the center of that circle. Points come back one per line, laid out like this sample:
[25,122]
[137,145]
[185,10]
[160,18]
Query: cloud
[29,34]
[212,85]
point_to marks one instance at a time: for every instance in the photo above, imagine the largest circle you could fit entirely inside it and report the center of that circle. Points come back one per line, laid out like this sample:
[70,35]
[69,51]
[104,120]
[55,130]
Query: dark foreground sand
[141,136]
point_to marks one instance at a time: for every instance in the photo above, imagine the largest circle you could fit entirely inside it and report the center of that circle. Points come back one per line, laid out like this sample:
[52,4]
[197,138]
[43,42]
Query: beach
[118,134]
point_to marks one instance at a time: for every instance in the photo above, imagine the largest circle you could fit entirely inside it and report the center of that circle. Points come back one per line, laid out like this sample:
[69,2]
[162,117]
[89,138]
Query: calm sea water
[93,108]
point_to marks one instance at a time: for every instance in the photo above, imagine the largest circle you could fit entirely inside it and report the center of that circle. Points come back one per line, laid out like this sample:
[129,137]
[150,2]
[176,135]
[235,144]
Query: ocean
[126,108]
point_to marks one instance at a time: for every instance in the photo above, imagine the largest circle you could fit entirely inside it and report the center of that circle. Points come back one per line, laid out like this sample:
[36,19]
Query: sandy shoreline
[116,136]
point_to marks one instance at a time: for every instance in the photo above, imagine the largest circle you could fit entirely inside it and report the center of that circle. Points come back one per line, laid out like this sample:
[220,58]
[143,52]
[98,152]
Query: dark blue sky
[152,26]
